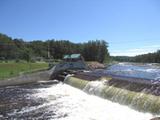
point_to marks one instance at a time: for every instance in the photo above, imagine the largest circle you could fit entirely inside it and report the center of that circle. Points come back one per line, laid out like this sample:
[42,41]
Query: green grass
[12,69]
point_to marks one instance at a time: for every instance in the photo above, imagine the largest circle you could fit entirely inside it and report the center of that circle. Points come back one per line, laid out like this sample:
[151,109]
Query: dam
[87,100]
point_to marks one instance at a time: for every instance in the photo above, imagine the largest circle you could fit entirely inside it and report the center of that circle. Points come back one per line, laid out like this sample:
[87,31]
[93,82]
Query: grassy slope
[13,69]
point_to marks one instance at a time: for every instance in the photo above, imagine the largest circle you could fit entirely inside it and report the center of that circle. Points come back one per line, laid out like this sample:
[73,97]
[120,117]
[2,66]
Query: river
[146,71]
[50,101]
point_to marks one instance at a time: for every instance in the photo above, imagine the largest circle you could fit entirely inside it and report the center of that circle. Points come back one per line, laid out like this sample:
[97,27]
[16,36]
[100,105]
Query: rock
[95,65]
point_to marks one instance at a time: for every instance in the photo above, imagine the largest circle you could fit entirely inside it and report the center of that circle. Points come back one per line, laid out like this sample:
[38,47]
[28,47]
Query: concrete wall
[28,78]
[137,100]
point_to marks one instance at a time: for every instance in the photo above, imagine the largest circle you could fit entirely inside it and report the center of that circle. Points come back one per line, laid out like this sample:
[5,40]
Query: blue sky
[131,27]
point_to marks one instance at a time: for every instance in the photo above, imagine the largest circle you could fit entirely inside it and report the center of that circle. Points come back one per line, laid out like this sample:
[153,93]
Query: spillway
[87,100]
[63,102]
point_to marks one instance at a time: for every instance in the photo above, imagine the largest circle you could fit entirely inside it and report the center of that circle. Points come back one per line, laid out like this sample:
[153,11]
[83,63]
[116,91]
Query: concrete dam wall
[140,101]
[27,78]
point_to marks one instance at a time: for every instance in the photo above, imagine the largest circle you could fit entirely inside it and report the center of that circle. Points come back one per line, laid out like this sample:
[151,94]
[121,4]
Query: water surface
[146,71]
[47,100]
[61,102]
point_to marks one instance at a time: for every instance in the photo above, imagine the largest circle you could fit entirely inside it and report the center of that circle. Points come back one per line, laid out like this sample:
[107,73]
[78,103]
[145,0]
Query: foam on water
[135,70]
[73,104]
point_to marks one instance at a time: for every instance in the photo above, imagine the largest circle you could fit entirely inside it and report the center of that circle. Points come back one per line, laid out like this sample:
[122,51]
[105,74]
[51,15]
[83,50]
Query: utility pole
[48,49]
[49,56]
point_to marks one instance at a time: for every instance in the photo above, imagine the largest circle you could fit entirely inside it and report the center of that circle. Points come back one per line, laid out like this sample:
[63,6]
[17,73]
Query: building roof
[66,56]
[75,56]
[72,56]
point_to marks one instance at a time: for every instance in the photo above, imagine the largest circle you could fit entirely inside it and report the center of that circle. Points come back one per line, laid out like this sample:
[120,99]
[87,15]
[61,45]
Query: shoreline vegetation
[18,56]
[144,58]
[43,50]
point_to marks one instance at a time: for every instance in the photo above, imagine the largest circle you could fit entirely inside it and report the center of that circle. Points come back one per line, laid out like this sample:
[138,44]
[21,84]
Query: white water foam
[74,104]
[94,87]
[135,70]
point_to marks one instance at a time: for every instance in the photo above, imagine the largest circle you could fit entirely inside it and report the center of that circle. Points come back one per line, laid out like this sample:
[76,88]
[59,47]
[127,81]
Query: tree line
[145,58]
[19,49]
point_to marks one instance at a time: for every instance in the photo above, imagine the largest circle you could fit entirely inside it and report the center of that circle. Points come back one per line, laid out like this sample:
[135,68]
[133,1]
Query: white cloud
[136,51]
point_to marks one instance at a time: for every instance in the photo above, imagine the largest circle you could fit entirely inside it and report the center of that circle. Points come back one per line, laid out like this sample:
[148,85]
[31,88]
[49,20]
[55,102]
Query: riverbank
[12,69]
[41,75]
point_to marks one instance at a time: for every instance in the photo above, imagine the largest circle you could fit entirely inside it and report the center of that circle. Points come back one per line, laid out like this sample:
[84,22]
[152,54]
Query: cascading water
[137,100]
[142,97]
[61,102]
[47,100]
[72,103]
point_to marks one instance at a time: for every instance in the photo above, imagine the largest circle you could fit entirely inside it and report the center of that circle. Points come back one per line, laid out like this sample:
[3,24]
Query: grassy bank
[12,69]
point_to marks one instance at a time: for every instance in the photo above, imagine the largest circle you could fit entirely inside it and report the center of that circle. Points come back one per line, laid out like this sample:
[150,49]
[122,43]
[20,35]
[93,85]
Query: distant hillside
[145,58]
[94,50]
